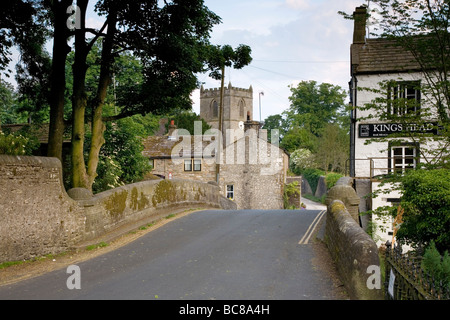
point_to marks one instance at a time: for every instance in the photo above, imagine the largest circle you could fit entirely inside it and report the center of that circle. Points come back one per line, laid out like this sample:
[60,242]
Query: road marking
[312,227]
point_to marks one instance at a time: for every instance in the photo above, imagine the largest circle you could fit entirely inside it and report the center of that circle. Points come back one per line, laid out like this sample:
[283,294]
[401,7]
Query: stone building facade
[248,169]
[237,107]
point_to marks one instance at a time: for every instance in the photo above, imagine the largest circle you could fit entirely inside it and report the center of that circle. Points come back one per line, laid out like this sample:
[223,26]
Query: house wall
[165,166]
[371,160]
[363,151]
[258,178]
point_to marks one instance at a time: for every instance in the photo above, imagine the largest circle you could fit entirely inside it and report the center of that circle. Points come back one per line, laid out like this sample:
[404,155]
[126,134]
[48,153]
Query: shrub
[290,190]
[426,203]
[435,265]
[312,176]
[332,178]
[13,145]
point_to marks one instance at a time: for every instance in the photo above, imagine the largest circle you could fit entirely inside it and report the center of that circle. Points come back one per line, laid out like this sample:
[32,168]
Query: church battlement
[228,90]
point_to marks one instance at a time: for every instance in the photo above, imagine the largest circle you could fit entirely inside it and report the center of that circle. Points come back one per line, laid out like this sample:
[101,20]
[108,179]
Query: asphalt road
[224,255]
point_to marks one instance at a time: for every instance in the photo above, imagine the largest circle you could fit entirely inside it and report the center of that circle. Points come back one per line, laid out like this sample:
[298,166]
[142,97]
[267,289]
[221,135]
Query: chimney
[172,128]
[360,18]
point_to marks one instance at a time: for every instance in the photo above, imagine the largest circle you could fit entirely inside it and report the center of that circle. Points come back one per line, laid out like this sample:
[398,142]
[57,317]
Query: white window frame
[197,165]
[230,191]
[403,157]
[408,91]
[188,165]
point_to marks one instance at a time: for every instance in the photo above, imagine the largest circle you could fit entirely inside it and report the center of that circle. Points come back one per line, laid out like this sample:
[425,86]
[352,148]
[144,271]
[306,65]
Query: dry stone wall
[37,216]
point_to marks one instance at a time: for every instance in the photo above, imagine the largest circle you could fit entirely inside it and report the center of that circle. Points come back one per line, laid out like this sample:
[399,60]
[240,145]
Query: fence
[405,279]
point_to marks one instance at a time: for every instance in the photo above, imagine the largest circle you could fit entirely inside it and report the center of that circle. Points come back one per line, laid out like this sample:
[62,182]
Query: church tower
[237,107]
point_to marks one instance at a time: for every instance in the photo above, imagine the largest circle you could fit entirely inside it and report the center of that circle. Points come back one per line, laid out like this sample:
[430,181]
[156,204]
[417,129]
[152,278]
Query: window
[215,109]
[187,165]
[403,157]
[192,165]
[241,108]
[404,98]
[230,192]
[197,165]
[151,162]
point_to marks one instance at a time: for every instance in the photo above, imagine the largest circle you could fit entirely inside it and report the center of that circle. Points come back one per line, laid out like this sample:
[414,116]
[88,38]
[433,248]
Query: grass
[95,246]
[313,198]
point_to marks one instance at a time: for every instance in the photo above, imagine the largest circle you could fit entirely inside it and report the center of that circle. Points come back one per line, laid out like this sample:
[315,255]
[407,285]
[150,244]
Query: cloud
[297,4]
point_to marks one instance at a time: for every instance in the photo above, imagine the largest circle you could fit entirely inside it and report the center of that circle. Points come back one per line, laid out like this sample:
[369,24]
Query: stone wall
[37,217]
[353,252]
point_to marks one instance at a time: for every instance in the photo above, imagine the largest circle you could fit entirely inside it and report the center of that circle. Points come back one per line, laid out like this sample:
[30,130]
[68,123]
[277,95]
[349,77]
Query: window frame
[229,192]
[194,165]
[401,90]
[403,165]
[189,162]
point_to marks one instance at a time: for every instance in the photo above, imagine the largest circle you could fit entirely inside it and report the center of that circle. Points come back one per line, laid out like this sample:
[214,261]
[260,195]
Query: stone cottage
[249,170]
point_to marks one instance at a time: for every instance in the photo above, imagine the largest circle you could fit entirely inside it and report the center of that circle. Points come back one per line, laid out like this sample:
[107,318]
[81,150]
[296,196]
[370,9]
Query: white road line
[311,228]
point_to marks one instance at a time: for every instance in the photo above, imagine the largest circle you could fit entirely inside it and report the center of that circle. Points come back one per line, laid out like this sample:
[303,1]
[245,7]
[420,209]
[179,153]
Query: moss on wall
[116,204]
[165,192]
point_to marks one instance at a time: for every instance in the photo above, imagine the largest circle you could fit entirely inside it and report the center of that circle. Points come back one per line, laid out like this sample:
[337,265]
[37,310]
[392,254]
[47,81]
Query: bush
[426,203]
[312,176]
[331,179]
[15,145]
[291,190]
[437,266]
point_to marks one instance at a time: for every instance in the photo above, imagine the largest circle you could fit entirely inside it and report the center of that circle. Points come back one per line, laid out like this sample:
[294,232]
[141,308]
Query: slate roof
[382,56]
[160,147]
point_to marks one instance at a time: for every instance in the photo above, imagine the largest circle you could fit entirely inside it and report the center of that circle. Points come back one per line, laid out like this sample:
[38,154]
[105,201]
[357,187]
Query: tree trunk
[79,102]
[221,135]
[58,79]
[98,127]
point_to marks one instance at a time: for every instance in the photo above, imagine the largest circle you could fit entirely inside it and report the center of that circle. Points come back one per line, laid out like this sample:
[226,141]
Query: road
[224,255]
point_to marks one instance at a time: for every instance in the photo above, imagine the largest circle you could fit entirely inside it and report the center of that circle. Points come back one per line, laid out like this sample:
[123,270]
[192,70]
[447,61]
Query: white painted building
[372,62]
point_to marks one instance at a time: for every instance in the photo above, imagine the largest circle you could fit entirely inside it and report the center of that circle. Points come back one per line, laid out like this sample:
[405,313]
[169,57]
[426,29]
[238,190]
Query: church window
[215,109]
[241,108]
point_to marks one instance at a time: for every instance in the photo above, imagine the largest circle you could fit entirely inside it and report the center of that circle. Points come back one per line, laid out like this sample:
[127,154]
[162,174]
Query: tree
[313,105]
[220,57]
[186,120]
[22,26]
[169,39]
[61,33]
[332,149]
[275,122]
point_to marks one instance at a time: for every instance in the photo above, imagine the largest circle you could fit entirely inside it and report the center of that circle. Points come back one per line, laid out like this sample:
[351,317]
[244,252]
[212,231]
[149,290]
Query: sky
[291,41]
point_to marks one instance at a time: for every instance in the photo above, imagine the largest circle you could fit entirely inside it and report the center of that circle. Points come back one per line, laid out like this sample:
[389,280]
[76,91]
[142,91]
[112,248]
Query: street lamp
[261,93]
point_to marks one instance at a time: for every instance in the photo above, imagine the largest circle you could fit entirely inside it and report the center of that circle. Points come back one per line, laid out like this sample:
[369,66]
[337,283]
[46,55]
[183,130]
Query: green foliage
[219,57]
[301,159]
[331,179]
[121,160]
[314,105]
[426,201]
[290,190]
[312,176]
[186,120]
[17,144]
[437,266]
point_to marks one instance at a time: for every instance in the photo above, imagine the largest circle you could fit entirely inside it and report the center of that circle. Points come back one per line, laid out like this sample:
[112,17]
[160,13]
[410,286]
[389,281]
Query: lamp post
[261,93]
